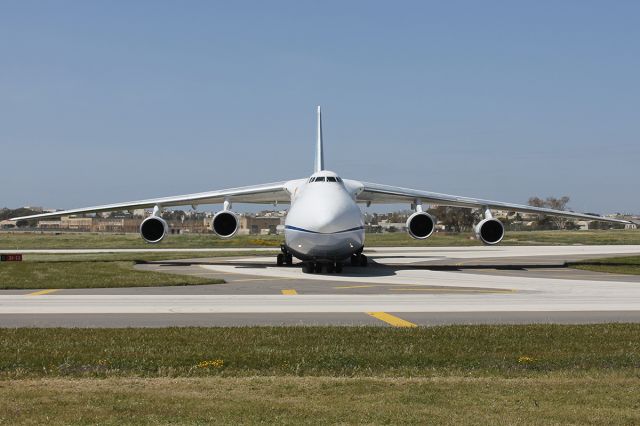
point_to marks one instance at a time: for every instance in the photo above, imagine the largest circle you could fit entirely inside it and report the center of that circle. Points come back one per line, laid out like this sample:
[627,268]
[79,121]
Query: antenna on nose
[319,152]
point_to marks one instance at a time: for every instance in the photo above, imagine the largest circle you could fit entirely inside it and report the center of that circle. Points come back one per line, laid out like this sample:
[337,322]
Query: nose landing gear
[359,260]
[284,258]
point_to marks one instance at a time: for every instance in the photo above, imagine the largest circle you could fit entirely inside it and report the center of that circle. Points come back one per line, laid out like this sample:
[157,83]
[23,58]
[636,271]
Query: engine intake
[153,229]
[490,231]
[420,225]
[225,224]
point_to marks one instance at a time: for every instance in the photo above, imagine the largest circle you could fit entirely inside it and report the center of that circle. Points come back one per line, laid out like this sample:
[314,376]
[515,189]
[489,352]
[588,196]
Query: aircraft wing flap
[260,194]
[385,194]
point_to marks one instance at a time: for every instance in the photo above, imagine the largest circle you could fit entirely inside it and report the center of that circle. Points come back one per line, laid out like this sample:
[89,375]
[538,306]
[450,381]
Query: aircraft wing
[259,194]
[385,194]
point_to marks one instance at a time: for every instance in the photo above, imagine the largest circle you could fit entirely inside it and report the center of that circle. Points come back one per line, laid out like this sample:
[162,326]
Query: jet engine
[225,224]
[153,229]
[490,231]
[420,225]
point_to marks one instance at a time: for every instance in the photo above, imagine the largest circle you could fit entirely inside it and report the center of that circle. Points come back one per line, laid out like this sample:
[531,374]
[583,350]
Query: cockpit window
[325,179]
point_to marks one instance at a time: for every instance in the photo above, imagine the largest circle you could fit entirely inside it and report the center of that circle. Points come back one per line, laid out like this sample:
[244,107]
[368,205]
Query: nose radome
[336,218]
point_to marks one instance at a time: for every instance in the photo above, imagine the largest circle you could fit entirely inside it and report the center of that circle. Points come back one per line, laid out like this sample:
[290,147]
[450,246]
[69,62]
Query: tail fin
[319,152]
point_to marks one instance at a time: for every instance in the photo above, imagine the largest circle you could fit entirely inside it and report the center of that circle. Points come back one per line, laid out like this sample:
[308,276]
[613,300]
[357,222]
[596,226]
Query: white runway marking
[166,304]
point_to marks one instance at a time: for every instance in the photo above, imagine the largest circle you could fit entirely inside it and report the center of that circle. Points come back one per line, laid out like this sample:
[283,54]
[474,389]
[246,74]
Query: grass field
[101,270]
[537,374]
[48,271]
[507,351]
[606,398]
[95,274]
[17,241]
[616,265]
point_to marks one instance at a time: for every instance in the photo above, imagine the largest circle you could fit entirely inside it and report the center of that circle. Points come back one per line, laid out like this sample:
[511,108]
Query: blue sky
[111,101]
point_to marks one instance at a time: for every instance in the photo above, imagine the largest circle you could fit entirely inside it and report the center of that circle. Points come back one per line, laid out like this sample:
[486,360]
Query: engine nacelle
[490,231]
[420,225]
[153,229]
[225,224]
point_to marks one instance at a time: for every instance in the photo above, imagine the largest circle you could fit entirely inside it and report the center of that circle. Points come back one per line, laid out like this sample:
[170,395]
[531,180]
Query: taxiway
[404,286]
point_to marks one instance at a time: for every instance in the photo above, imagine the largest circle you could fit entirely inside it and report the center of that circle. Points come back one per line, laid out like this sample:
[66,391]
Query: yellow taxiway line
[41,292]
[289,292]
[391,319]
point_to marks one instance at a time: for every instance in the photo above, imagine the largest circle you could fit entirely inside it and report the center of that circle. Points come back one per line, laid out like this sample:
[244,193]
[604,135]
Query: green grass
[18,241]
[100,270]
[607,398]
[139,257]
[96,274]
[616,265]
[536,374]
[474,351]
[48,240]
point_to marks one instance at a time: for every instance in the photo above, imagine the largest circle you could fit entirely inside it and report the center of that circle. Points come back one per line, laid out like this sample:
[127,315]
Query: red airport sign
[10,258]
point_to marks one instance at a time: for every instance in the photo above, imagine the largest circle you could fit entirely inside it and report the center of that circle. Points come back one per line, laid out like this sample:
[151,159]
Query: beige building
[259,224]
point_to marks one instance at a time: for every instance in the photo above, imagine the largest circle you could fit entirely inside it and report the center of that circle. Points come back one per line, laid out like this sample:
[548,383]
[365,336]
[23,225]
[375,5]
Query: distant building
[76,223]
[634,225]
[7,224]
[49,224]
[260,224]
[387,226]
[583,225]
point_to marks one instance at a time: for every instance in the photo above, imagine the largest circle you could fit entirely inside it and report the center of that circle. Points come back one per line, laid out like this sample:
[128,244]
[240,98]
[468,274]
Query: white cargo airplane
[324,225]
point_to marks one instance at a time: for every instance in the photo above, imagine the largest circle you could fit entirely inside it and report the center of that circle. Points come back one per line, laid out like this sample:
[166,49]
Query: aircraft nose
[336,218]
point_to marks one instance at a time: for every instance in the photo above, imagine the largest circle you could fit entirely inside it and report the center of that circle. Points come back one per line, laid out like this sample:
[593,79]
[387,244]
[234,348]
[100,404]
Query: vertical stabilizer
[319,152]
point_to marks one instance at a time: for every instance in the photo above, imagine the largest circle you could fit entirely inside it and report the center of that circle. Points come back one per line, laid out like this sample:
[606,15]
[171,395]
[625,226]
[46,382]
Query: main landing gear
[284,258]
[310,267]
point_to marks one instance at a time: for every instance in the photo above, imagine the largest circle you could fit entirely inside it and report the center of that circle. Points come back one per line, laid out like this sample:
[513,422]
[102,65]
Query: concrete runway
[404,287]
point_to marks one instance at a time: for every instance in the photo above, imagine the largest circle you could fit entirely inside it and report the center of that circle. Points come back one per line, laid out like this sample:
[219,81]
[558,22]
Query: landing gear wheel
[288,259]
[318,268]
[330,268]
[280,259]
[308,267]
[359,260]
[338,267]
